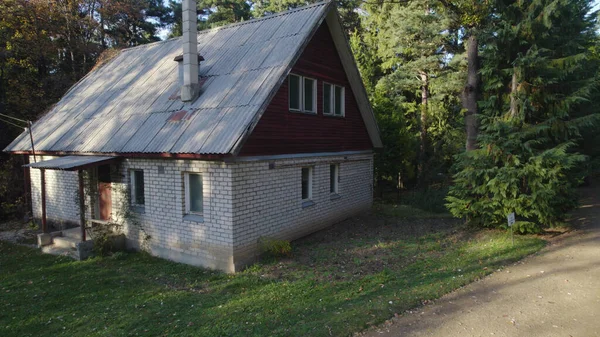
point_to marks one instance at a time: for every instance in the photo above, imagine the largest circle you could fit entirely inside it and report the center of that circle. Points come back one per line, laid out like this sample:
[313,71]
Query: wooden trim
[298,156]
[43,183]
[356,84]
[81,205]
[211,157]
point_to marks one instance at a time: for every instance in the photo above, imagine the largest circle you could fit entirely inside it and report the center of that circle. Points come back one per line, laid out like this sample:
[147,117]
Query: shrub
[513,172]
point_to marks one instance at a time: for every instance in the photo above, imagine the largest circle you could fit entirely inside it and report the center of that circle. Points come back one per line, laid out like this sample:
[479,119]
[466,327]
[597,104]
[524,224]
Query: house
[262,129]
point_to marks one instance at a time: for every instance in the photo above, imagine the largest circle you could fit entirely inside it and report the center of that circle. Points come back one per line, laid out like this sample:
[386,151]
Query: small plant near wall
[126,215]
[270,247]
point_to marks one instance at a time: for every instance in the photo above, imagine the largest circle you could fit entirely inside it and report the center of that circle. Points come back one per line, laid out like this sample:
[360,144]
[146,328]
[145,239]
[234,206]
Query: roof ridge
[262,18]
[235,24]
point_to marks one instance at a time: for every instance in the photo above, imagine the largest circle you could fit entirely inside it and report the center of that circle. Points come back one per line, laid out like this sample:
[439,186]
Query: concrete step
[66,242]
[74,233]
[52,249]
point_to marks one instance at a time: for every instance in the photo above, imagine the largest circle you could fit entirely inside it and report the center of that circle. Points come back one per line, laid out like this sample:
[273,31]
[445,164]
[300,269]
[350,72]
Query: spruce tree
[537,75]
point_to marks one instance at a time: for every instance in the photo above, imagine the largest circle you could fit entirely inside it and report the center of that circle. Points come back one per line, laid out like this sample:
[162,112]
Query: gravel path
[554,293]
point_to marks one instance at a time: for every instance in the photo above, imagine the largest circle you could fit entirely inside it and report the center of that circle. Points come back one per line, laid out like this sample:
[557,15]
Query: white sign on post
[511,219]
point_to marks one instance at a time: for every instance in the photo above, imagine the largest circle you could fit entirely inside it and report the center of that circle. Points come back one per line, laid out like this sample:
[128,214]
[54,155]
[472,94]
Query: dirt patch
[18,233]
[366,245]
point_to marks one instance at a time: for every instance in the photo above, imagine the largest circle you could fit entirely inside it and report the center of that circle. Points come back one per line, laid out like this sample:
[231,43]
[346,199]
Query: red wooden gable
[280,131]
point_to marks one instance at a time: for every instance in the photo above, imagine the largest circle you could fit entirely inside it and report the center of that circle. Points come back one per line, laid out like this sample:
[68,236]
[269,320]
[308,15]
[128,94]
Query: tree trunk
[513,95]
[423,132]
[470,93]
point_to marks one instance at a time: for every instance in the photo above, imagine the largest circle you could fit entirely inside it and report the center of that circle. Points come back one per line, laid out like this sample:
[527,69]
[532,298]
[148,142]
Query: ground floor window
[334,174]
[193,193]
[307,183]
[137,187]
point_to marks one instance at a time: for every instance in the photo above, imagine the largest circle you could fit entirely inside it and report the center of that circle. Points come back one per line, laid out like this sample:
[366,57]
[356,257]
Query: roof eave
[164,155]
[358,88]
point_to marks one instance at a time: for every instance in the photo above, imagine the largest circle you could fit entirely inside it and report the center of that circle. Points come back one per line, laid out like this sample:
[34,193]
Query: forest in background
[485,107]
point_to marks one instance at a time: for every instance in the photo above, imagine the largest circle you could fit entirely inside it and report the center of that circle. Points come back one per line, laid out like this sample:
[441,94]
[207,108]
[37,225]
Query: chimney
[190,88]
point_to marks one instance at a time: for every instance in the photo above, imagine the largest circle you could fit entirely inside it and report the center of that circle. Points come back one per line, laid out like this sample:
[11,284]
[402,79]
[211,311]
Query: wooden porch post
[43,182]
[81,205]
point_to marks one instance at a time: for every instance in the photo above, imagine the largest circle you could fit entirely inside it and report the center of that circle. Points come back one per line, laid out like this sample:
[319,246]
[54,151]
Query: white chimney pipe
[190,89]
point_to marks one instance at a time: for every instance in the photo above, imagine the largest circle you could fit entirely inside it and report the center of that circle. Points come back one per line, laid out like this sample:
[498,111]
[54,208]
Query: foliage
[406,56]
[347,9]
[508,174]
[12,202]
[333,287]
[274,248]
[103,240]
[536,84]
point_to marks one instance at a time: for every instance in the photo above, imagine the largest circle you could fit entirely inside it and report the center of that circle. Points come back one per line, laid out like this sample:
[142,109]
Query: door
[104,192]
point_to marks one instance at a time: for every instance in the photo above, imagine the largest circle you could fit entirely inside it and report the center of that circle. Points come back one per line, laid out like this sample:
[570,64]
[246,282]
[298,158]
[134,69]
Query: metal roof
[125,106]
[70,163]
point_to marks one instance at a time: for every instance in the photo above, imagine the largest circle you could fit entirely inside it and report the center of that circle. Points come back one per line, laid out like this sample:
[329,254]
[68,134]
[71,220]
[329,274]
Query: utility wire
[11,123]
[11,117]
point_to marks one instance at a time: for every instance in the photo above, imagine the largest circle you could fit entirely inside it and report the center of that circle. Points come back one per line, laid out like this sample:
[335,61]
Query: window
[306,183]
[333,99]
[310,95]
[327,103]
[302,94]
[334,174]
[193,193]
[137,187]
[294,92]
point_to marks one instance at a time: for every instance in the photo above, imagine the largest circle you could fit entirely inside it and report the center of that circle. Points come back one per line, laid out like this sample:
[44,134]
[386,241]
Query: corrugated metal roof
[124,106]
[70,163]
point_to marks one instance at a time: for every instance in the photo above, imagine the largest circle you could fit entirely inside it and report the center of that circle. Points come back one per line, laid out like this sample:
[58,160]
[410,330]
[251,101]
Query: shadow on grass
[323,291]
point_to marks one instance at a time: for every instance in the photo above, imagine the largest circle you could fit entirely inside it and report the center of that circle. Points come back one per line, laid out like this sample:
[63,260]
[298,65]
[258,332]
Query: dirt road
[554,293]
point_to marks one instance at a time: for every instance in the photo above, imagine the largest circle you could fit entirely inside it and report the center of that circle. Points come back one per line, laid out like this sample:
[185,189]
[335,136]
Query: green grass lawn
[339,281]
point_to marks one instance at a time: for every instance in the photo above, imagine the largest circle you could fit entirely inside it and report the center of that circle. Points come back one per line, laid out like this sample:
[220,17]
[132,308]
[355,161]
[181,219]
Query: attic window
[333,100]
[302,94]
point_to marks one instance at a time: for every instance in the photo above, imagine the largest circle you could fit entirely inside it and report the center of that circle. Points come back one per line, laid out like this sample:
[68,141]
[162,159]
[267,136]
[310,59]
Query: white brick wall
[62,203]
[208,243]
[268,202]
[243,201]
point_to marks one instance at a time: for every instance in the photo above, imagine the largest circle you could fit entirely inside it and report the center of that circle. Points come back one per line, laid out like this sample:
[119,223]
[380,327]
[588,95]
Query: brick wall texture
[243,202]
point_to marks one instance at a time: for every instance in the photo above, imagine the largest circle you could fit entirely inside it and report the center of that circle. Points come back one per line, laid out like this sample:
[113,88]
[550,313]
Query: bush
[512,172]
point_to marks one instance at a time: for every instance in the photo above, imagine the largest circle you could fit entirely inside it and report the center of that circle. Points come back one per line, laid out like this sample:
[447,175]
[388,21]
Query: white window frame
[301,94]
[310,183]
[332,100]
[132,188]
[186,185]
[336,179]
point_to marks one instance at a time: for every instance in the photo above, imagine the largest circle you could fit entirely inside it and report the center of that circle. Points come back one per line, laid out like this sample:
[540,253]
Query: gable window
[334,177]
[306,183]
[295,93]
[302,93]
[193,193]
[310,95]
[333,100]
[137,187]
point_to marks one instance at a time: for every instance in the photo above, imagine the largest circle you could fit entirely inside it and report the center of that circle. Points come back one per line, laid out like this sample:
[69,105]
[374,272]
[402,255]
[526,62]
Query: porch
[93,183]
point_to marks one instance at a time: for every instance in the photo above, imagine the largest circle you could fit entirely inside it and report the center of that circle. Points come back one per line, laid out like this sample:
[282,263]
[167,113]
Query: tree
[127,23]
[347,9]
[538,73]
[412,41]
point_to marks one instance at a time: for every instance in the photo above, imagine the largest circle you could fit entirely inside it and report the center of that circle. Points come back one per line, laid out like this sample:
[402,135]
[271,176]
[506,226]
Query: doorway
[104,193]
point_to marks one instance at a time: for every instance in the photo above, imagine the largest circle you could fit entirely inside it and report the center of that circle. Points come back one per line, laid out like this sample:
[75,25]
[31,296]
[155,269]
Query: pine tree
[536,74]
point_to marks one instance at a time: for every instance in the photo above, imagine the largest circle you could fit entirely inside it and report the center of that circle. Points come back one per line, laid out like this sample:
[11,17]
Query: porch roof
[72,163]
